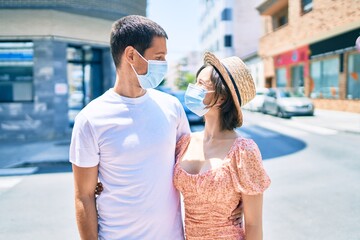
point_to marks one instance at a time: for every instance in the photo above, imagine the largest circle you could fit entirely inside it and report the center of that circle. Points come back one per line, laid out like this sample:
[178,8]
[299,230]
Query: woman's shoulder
[245,149]
[242,143]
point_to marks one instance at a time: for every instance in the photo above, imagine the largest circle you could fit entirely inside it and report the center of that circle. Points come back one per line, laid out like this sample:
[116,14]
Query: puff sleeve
[248,174]
[181,146]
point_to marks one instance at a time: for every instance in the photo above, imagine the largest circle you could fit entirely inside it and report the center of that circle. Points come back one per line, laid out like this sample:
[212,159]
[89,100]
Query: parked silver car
[257,103]
[287,103]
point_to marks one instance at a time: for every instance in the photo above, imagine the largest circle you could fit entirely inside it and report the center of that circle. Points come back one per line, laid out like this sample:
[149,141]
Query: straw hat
[237,77]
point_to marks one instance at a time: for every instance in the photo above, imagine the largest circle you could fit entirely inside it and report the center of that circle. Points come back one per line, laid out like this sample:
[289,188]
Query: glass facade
[84,74]
[281,77]
[353,80]
[297,77]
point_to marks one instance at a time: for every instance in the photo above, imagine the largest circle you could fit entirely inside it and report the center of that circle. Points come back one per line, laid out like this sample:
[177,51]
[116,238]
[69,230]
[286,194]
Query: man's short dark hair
[229,119]
[133,30]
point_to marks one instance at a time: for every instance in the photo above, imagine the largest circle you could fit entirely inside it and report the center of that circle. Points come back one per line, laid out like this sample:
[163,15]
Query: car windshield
[289,94]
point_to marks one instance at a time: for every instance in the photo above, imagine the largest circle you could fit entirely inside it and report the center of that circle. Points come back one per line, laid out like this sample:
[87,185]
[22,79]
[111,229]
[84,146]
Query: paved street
[315,191]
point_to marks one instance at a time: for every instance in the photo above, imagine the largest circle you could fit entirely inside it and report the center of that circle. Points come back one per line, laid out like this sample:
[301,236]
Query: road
[315,190]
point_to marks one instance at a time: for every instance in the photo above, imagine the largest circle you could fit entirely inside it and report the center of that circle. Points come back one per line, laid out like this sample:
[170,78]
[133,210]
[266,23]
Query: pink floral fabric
[210,197]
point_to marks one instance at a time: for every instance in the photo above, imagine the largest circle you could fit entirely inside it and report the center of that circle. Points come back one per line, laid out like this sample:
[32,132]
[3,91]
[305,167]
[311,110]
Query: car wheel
[263,110]
[280,113]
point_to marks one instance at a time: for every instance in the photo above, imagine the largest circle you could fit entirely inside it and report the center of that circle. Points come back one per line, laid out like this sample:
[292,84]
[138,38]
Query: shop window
[226,14]
[297,78]
[324,82]
[306,5]
[353,80]
[228,41]
[16,71]
[281,77]
[84,70]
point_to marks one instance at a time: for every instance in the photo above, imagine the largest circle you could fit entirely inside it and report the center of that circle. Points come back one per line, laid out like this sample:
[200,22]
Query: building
[54,59]
[229,27]
[233,28]
[309,45]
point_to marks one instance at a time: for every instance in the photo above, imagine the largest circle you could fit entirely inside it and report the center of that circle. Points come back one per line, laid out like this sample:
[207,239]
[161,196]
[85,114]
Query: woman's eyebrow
[203,82]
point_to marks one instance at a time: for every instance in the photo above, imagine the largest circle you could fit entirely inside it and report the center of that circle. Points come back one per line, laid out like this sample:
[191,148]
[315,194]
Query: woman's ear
[219,101]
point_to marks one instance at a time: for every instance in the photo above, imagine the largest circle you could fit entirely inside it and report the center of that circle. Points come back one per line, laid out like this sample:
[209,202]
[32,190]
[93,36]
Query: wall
[328,18]
[46,116]
[20,24]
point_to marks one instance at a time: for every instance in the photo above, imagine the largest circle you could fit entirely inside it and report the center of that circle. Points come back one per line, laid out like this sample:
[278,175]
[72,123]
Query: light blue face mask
[155,73]
[194,99]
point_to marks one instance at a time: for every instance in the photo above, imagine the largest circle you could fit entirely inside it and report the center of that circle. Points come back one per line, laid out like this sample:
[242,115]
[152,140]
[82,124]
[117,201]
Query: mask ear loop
[142,58]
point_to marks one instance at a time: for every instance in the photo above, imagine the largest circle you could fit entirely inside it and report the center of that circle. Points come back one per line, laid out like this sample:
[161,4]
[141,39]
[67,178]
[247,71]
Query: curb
[17,171]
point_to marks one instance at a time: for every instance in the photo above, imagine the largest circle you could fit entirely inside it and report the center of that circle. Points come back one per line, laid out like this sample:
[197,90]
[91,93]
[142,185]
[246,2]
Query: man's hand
[99,188]
[237,215]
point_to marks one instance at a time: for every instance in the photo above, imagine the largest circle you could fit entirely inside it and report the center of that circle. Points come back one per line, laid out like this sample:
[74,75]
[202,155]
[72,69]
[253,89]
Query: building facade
[309,45]
[54,59]
[230,27]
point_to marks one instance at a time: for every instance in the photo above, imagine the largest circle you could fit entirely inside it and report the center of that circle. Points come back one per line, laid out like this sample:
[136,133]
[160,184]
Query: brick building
[54,59]
[310,45]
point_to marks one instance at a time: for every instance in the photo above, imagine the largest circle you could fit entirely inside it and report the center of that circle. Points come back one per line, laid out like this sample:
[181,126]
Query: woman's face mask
[155,73]
[194,99]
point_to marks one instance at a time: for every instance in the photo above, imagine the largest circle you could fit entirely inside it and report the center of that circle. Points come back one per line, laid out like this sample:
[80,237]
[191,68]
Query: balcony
[271,7]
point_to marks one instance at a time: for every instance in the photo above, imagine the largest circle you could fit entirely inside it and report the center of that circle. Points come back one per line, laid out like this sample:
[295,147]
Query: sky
[180,19]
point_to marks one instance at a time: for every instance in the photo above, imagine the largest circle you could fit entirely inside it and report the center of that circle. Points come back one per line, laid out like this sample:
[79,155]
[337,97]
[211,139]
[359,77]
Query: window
[306,5]
[353,81]
[297,77]
[16,71]
[280,18]
[325,78]
[228,41]
[226,14]
[84,70]
[281,77]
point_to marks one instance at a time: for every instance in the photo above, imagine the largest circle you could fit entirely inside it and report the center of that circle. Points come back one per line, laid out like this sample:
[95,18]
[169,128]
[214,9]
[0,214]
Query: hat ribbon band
[233,82]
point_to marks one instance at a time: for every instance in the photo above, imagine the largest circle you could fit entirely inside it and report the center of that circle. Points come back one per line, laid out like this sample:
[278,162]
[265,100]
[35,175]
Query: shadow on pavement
[275,144]
[49,167]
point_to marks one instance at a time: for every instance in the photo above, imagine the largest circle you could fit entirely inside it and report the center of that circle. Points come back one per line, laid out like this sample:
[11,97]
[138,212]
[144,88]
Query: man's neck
[127,87]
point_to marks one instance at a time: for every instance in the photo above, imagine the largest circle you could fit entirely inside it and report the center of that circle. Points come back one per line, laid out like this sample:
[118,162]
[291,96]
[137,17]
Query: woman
[216,169]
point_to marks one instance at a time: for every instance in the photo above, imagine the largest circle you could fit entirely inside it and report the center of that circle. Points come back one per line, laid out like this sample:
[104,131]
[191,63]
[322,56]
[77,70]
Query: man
[126,138]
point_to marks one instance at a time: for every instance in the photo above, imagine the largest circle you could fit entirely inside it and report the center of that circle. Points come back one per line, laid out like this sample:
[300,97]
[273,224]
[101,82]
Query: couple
[137,142]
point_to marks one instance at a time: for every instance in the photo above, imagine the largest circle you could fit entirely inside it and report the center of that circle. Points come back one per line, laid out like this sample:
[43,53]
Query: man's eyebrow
[159,53]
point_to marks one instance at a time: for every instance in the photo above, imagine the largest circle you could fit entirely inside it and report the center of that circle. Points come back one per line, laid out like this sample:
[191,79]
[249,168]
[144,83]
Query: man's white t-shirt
[133,141]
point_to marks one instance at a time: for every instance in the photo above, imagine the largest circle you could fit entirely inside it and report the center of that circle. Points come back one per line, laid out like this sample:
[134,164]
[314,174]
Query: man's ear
[129,54]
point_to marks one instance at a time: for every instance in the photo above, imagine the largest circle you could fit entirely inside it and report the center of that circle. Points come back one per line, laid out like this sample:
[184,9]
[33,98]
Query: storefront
[291,68]
[334,72]
[45,82]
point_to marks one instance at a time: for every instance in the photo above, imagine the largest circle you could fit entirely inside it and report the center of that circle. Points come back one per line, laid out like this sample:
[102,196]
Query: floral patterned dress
[211,196]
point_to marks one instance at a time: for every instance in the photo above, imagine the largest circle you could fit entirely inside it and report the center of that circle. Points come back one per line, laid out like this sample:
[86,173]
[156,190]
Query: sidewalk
[15,154]
[335,120]
[18,153]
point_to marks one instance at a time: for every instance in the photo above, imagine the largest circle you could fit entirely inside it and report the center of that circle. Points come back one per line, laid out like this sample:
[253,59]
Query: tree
[184,79]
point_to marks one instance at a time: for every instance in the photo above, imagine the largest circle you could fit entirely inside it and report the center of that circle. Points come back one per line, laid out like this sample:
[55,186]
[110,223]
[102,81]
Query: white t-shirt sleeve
[84,150]
[183,123]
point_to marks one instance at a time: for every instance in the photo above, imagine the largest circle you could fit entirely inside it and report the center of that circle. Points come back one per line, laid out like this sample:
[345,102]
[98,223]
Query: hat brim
[211,59]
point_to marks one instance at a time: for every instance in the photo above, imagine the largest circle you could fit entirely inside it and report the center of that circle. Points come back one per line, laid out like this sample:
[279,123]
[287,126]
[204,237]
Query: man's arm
[85,180]
[253,216]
